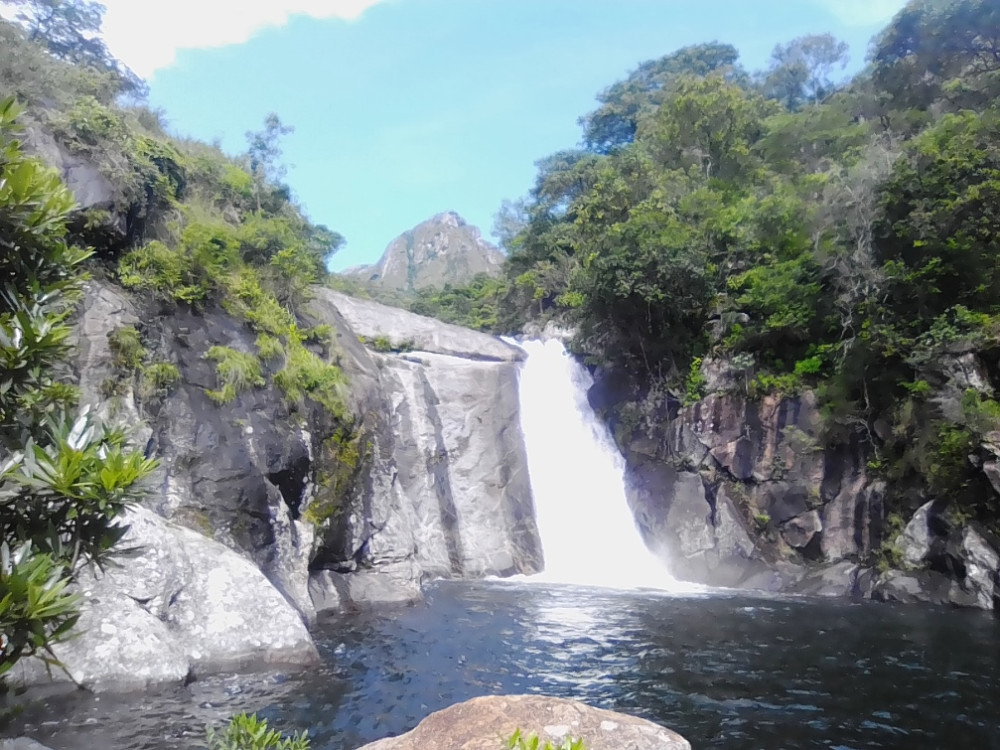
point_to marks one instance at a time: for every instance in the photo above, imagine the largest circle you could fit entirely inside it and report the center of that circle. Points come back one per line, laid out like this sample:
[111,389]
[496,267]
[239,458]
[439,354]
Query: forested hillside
[805,232]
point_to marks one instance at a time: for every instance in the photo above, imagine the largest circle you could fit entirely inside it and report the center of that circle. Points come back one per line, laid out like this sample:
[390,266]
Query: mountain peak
[444,249]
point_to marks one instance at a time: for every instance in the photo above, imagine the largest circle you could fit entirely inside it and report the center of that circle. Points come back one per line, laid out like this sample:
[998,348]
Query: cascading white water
[589,536]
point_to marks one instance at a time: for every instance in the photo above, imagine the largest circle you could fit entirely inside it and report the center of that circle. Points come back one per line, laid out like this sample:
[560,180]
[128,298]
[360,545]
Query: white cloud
[146,34]
[863,12]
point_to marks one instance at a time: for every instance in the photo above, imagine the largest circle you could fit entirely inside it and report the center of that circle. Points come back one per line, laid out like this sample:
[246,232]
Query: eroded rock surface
[171,604]
[486,723]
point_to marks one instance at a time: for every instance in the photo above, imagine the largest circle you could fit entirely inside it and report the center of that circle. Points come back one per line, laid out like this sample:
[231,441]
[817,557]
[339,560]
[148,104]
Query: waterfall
[588,533]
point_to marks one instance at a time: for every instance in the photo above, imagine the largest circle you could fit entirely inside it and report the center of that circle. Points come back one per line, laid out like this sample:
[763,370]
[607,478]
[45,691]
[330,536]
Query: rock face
[173,604]
[729,489]
[945,563]
[264,511]
[442,250]
[486,723]
[738,492]
[447,491]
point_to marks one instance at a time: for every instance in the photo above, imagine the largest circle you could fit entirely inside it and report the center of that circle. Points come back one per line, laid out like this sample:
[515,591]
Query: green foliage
[306,375]
[761,521]
[339,463]
[269,347]
[247,732]
[382,343]
[158,378]
[518,741]
[474,305]
[127,351]
[237,372]
[64,479]
[694,387]
[37,611]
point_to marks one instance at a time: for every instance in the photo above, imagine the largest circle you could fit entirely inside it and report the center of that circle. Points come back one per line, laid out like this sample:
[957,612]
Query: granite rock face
[438,485]
[741,492]
[446,491]
[486,723]
[170,605]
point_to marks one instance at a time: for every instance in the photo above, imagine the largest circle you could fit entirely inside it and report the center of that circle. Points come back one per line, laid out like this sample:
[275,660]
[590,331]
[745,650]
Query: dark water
[726,672]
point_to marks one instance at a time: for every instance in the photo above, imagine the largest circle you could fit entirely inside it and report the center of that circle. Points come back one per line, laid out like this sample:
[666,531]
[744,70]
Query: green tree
[70,30]
[625,104]
[940,49]
[264,153]
[801,70]
[710,123]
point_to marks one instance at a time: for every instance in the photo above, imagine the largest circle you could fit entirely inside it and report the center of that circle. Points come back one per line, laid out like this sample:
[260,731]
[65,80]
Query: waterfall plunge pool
[725,671]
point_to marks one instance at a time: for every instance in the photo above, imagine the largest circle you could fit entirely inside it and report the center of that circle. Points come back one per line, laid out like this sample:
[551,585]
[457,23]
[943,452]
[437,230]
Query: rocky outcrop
[944,562]
[447,493]
[740,492]
[424,475]
[486,723]
[170,605]
[730,490]
[394,328]
[442,250]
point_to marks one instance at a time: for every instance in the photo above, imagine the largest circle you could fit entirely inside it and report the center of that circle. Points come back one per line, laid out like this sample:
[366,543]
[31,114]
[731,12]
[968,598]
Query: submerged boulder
[485,723]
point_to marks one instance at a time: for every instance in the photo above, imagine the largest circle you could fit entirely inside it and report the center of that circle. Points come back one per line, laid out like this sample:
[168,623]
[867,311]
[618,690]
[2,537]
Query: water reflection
[726,672]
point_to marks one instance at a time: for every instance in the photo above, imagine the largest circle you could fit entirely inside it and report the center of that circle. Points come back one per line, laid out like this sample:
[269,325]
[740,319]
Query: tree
[63,478]
[70,30]
[708,122]
[265,154]
[933,43]
[626,103]
[801,70]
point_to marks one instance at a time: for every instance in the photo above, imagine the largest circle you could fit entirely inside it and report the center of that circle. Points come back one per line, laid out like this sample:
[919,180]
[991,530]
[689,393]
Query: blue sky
[408,108]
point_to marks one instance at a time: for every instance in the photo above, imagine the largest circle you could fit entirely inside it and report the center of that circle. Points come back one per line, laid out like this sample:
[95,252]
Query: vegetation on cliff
[177,221]
[64,478]
[809,233]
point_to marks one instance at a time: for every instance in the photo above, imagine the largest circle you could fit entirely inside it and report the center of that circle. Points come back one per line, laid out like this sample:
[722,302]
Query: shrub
[695,385]
[63,478]
[517,741]
[237,372]
[158,379]
[305,374]
[127,351]
[247,732]
[269,347]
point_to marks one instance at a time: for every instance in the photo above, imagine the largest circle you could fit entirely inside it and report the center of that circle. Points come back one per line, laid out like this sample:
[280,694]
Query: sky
[406,108]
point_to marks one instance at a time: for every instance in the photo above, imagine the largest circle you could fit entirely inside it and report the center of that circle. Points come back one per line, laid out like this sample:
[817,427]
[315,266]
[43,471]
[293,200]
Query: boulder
[486,723]
[21,743]
[390,584]
[798,532]
[699,540]
[171,604]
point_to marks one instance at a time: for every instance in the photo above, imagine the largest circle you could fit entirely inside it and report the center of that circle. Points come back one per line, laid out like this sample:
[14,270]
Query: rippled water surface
[726,672]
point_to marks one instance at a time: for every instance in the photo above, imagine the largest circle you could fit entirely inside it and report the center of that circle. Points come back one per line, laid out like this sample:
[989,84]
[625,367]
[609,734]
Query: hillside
[442,250]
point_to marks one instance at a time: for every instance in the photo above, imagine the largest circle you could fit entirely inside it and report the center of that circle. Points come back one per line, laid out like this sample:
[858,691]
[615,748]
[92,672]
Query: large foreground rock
[172,604]
[486,723]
